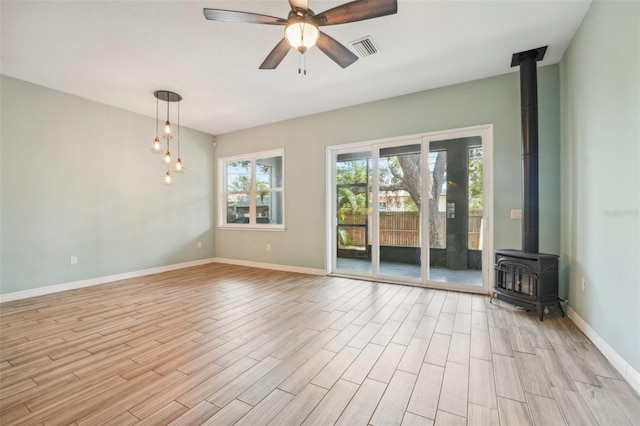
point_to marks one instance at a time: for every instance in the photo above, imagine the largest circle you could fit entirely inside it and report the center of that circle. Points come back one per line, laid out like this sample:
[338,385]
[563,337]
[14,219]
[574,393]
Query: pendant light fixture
[168,133]
[178,167]
[156,147]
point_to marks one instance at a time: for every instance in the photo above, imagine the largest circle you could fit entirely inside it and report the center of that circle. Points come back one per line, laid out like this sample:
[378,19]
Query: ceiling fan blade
[299,4]
[335,50]
[243,17]
[357,10]
[276,56]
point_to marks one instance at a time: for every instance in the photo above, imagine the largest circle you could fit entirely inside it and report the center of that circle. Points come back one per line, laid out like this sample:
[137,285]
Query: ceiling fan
[301,27]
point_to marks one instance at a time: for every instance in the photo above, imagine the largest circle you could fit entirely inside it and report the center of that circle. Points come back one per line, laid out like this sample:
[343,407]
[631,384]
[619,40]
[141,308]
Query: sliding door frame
[486,134]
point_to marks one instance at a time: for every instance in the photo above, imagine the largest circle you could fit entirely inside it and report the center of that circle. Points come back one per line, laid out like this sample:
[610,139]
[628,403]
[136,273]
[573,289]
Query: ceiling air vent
[365,47]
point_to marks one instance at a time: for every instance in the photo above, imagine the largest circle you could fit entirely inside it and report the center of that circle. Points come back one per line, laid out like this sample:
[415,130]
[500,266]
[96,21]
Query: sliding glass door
[352,197]
[412,211]
[399,195]
[456,211]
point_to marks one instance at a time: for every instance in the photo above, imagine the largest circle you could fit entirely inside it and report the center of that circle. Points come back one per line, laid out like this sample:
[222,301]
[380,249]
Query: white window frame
[252,193]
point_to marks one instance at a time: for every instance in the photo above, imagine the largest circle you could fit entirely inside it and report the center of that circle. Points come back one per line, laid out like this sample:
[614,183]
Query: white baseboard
[272,266]
[40,291]
[626,371]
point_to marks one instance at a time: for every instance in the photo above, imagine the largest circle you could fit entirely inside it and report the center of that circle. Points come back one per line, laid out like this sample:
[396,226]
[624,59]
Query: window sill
[270,228]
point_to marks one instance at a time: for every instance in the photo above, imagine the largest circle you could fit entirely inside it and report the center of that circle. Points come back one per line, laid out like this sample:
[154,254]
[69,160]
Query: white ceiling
[120,52]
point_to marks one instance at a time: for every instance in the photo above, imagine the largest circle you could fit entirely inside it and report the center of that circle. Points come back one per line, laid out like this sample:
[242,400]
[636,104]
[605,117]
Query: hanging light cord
[168,107]
[178,130]
[168,134]
[157,102]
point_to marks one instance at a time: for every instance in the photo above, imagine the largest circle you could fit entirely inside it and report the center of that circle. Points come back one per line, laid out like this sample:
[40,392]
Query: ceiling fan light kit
[302,27]
[302,35]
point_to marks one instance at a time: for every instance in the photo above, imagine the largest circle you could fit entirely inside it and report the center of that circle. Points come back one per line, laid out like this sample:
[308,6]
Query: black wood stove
[527,278]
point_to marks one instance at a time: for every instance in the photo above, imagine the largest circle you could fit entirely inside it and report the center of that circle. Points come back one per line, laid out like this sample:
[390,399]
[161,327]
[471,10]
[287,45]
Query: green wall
[78,179]
[70,186]
[600,80]
[489,101]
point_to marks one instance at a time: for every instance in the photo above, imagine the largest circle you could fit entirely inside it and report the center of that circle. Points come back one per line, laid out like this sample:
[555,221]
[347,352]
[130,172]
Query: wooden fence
[401,229]
[475,231]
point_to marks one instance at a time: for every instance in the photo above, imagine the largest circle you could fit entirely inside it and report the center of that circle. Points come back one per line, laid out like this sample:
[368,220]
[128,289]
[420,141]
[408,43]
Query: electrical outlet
[583,284]
[516,214]
[74,260]
[268,246]
[199,244]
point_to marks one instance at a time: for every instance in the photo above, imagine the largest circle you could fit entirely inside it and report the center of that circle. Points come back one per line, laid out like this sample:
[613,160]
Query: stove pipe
[529,109]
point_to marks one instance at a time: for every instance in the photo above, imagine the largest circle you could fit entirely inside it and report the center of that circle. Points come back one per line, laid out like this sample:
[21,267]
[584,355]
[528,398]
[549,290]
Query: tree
[403,172]
[436,184]
[475,178]
[242,182]
[353,178]
[396,173]
[406,176]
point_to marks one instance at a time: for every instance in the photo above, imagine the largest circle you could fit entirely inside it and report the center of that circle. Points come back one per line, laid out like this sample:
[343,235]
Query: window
[252,191]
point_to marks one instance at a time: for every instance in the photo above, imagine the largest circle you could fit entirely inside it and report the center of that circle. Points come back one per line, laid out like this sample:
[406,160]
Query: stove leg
[541,313]
[561,310]
[493,293]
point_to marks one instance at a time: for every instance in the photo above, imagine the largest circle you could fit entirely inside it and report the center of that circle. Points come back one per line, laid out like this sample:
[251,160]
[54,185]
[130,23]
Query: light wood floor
[220,344]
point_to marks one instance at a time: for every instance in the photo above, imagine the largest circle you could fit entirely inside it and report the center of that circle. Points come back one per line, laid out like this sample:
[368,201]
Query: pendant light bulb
[156,147]
[167,127]
[178,168]
[168,180]
[167,157]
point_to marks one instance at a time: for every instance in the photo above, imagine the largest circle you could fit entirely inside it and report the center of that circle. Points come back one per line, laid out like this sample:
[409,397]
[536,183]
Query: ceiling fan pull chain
[302,64]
